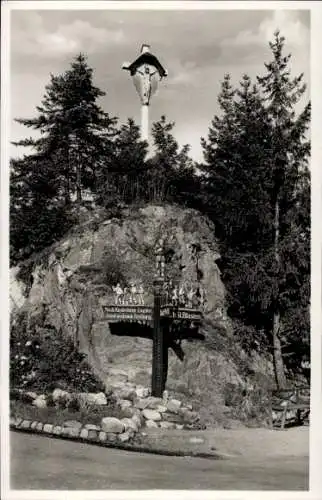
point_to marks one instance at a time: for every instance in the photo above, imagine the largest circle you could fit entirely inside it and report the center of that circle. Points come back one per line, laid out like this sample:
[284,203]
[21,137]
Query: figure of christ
[146,76]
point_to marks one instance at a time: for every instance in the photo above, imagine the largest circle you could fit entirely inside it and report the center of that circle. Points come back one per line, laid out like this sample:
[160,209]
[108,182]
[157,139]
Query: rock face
[69,286]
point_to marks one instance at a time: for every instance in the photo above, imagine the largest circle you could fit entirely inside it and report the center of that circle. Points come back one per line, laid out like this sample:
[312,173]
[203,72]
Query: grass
[57,416]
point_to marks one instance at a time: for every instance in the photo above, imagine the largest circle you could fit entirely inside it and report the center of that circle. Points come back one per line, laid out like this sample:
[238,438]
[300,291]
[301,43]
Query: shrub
[43,362]
[50,401]
[74,404]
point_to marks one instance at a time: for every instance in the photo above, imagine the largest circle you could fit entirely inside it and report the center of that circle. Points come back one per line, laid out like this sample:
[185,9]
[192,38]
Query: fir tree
[75,132]
[171,172]
[37,215]
[289,151]
[255,180]
[76,138]
[124,181]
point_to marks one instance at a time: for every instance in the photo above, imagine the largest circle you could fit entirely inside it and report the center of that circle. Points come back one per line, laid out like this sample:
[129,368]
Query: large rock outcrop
[67,285]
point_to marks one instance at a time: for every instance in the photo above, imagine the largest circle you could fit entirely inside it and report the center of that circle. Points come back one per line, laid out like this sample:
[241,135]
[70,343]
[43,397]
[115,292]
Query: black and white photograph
[158,187]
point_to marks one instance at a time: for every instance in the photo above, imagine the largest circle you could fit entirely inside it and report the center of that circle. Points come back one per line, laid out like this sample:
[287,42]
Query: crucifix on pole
[146,72]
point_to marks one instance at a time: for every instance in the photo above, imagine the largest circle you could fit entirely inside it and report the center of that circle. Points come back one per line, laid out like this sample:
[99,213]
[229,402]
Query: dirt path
[45,464]
[250,443]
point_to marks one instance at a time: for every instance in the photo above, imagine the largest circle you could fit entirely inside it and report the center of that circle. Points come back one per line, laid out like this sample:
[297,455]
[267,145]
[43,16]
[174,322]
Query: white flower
[28,343]
[16,356]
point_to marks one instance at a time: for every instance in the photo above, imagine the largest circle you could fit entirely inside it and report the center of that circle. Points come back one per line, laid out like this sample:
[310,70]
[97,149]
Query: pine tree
[75,132]
[289,150]
[76,138]
[255,180]
[234,173]
[171,172]
[124,181]
[37,215]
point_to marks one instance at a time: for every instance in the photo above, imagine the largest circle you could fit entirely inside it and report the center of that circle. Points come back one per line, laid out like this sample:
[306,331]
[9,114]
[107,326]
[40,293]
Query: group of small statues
[184,295]
[174,295]
[127,296]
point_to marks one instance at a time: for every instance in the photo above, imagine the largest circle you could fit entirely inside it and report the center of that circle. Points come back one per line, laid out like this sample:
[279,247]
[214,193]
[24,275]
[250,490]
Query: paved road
[42,463]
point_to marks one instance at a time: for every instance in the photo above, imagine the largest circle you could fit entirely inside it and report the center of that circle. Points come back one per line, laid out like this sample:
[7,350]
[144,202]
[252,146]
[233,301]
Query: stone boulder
[100,399]
[126,393]
[92,427]
[129,411]
[112,424]
[151,415]
[167,425]
[129,423]
[154,402]
[141,404]
[161,408]
[142,392]
[92,398]
[173,406]
[125,437]
[151,424]
[123,404]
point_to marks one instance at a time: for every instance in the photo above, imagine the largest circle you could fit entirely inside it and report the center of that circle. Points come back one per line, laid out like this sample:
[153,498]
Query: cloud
[32,38]
[287,22]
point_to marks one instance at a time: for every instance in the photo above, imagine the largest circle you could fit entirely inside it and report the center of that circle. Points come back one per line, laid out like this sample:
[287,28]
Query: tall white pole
[145,122]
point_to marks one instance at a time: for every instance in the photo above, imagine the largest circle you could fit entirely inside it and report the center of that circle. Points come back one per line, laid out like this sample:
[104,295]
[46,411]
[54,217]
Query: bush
[74,404]
[44,362]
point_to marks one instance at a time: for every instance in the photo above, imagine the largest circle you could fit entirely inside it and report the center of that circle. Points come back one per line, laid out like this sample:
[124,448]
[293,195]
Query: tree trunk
[67,189]
[277,353]
[277,348]
[76,164]
[78,180]
[67,177]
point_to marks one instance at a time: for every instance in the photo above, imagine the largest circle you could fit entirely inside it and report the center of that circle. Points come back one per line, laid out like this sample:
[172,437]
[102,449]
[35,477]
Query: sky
[196,47]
